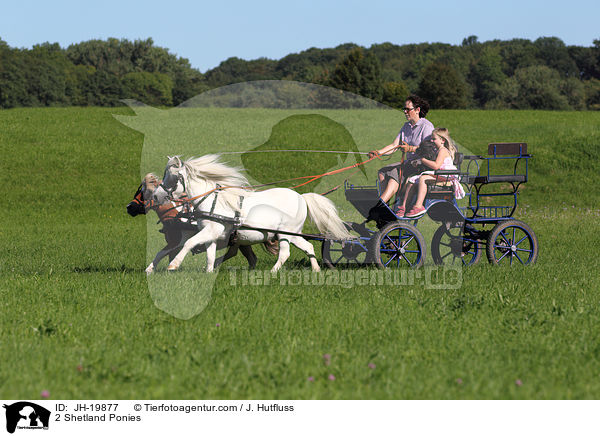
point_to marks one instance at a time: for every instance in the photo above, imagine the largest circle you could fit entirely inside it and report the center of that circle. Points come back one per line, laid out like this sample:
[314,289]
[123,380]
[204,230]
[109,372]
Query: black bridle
[137,206]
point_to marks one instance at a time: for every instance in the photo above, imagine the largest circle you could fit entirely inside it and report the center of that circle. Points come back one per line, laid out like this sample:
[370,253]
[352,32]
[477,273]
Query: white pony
[178,230]
[219,189]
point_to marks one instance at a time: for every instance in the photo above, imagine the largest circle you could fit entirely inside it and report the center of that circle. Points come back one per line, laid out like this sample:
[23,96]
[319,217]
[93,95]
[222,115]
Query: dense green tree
[443,87]
[586,61]
[517,53]
[574,90]
[395,63]
[235,70]
[94,73]
[117,57]
[553,53]
[122,57]
[592,94]
[103,89]
[535,87]
[76,80]
[12,79]
[47,75]
[187,82]
[486,74]
[312,65]
[394,94]
[358,73]
[469,41]
[149,88]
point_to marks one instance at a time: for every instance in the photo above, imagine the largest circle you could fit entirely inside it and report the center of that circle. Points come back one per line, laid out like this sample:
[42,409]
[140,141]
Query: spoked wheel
[455,246]
[398,244]
[354,252]
[512,242]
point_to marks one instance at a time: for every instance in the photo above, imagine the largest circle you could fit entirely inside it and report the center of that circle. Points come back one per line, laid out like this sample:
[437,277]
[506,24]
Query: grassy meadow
[78,316]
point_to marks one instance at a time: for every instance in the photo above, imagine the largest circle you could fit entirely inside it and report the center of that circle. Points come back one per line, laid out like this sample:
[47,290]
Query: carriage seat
[517,178]
[503,150]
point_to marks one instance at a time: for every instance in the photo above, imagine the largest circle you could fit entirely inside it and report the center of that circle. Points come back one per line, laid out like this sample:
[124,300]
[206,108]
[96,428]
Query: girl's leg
[408,191]
[422,190]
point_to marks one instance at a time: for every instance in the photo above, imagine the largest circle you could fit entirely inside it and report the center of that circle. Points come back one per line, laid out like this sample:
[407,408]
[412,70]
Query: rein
[311,179]
[293,150]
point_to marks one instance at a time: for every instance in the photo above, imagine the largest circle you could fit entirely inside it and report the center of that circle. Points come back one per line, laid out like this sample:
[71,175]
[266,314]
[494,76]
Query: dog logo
[259,126]
[26,415]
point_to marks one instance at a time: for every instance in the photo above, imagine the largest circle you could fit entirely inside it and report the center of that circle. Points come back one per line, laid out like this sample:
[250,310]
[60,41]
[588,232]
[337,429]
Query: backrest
[507,148]
[458,159]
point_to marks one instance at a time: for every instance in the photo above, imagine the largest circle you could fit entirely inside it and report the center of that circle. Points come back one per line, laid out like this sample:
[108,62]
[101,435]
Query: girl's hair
[443,133]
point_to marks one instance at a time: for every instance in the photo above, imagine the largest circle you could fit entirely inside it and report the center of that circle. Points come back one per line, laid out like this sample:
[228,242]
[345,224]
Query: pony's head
[173,183]
[143,196]
[203,174]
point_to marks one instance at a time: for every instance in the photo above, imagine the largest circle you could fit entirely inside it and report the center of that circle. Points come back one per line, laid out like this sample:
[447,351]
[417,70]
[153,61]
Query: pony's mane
[210,168]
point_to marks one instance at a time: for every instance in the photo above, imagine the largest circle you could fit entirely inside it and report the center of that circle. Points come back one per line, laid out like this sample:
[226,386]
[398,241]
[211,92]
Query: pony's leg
[175,239]
[162,253]
[184,236]
[211,253]
[209,234]
[230,253]
[159,256]
[308,248]
[284,253]
[249,255]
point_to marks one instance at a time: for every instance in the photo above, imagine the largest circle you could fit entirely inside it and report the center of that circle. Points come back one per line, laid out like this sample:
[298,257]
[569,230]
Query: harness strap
[310,179]
[212,208]
[239,212]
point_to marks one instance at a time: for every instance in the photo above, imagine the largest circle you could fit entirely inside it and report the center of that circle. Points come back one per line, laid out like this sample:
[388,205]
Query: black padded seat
[516,178]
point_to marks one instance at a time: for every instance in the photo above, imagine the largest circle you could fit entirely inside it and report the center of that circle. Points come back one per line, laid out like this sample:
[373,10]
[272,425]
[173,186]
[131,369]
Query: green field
[77,318]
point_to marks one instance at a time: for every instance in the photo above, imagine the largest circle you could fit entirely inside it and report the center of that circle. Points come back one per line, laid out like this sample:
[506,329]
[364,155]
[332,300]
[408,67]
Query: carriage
[482,221]
[464,230]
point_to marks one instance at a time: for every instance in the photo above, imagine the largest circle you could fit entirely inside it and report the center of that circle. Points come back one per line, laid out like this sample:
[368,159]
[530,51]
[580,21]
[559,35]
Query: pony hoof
[172,268]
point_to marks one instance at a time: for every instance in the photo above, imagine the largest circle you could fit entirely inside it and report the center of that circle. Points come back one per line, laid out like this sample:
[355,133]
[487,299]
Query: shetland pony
[222,191]
[177,230]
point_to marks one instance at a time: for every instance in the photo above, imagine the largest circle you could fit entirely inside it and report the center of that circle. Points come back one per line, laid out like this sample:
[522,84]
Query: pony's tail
[323,213]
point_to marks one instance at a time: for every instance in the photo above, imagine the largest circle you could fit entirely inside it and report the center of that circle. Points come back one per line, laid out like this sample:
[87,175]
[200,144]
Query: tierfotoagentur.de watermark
[435,277]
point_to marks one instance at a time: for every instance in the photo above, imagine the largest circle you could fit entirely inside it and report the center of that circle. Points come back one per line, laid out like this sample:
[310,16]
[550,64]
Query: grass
[78,317]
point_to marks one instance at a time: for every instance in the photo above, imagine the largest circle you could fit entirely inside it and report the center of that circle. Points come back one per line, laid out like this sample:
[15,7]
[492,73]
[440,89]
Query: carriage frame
[464,231]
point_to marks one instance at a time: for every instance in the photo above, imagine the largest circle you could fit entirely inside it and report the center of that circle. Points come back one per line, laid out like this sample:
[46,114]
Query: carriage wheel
[455,246]
[511,242]
[398,244]
[353,252]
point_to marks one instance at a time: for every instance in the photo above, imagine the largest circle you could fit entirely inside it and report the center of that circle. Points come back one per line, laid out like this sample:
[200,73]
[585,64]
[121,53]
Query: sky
[209,32]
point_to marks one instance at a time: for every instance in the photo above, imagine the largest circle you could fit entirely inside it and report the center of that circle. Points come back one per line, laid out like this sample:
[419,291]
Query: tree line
[513,74]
